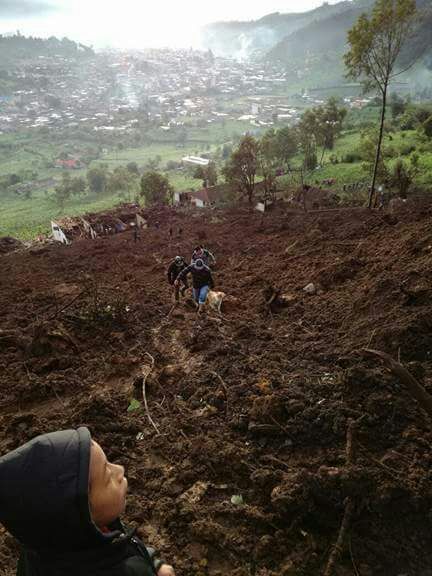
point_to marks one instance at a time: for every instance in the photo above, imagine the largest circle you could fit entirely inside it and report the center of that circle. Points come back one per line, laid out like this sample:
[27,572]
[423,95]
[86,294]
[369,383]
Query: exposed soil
[254,404]
[8,244]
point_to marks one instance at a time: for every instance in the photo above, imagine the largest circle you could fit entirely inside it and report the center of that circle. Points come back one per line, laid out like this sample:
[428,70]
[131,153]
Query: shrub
[427,127]
[402,177]
[406,149]
[351,158]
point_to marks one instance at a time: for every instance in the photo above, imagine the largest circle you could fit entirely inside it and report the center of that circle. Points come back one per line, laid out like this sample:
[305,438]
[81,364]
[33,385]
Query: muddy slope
[254,405]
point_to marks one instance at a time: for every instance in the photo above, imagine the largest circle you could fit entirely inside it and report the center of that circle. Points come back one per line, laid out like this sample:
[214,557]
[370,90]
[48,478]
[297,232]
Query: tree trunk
[378,150]
[249,193]
[322,156]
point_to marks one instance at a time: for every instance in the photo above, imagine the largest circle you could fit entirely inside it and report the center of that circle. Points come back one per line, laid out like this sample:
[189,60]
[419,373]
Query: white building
[196,160]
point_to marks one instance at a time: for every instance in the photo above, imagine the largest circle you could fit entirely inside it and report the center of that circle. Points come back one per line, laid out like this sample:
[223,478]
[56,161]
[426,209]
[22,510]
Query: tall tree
[122,180]
[286,145]
[241,168]
[331,119]
[211,175]
[63,190]
[207,174]
[268,163]
[78,185]
[375,43]
[155,188]
[310,136]
[97,179]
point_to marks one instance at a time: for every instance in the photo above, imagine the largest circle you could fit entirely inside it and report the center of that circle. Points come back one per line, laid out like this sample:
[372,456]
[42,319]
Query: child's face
[107,488]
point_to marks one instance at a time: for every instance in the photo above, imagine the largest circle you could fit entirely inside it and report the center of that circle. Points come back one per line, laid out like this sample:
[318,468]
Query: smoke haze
[133,23]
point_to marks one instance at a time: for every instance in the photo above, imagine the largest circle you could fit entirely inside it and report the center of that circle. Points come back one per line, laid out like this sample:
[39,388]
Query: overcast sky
[133,23]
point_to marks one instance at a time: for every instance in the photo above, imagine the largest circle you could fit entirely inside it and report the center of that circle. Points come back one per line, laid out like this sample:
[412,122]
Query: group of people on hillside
[200,270]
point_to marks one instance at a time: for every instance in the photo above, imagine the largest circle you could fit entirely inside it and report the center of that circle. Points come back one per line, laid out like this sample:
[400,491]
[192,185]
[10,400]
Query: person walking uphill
[61,499]
[202,281]
[174,269]
[201,253]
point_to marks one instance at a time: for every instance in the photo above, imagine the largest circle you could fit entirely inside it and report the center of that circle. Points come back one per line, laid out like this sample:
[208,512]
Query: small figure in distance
[202,281]
[136,233]
[174,269]
[62,500]
[201,253]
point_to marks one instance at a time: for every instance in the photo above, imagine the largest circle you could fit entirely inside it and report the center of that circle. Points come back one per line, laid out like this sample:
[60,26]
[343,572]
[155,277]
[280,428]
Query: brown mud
[254,404]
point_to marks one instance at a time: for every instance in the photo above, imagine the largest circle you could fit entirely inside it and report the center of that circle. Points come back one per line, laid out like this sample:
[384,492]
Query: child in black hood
[61,498]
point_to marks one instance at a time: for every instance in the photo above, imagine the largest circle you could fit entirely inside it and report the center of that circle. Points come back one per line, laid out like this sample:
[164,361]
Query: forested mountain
[312,43]
[248,38]
[18,48]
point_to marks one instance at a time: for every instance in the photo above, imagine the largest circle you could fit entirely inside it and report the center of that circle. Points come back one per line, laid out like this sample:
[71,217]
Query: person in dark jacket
[202,281]
[174,269]
[62,499]
[201,253]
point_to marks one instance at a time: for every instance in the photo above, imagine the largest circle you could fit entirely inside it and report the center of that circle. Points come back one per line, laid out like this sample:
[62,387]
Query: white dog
[215,299]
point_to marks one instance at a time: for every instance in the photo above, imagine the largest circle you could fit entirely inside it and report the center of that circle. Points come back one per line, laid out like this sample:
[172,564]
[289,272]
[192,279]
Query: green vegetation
[27,218]
[33,191]
[29,157]
[156,189]
[241,169]
[343,151]
[375,43]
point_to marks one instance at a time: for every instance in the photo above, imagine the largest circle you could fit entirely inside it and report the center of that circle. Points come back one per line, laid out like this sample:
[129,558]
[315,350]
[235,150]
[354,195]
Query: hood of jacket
[44,493]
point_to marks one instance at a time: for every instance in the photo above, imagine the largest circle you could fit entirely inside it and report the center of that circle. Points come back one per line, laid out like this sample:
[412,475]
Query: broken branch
[338,547]
[414,387]
[349,502]
[68,305]
[146,373]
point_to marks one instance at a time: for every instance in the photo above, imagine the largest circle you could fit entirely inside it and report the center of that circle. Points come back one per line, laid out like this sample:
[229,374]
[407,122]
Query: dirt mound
[238,465]
[9,244]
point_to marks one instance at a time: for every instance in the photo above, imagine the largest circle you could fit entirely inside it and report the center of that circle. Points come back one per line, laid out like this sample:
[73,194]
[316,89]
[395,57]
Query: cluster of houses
[115,91]
[56,92]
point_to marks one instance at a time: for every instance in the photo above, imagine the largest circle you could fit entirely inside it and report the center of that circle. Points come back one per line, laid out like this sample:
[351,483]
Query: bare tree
[375,44]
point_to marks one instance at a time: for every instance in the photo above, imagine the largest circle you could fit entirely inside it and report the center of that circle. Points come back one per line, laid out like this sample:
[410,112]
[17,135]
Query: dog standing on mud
[215,299]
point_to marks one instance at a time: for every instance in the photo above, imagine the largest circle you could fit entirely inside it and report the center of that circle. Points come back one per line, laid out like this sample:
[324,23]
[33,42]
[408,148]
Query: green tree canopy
[398,105]
[310,137]
[132,168]
[208,174]
[122,180]
[330,122]
[286,145]
[241,168]
[375,42]
[97,179]
[427,127]
[155,188]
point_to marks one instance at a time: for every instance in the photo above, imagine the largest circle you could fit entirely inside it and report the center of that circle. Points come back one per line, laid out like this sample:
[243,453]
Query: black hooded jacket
[174,270]
[44,504]
[200,276]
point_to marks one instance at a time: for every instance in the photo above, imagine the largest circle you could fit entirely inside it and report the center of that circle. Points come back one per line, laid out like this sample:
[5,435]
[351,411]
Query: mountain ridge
[241,39]
[312,43]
